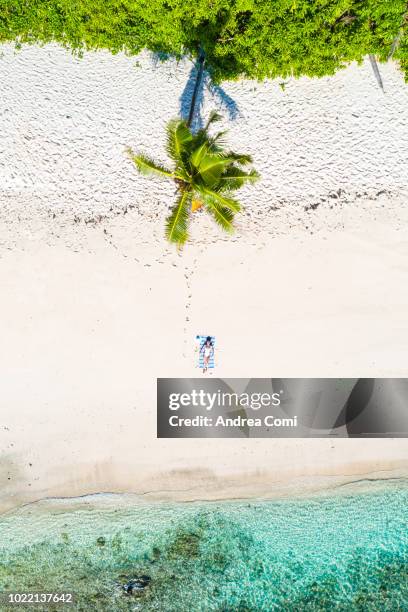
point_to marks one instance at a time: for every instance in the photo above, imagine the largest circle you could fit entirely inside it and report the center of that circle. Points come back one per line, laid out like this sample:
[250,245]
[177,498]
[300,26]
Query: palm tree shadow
[186,97]
[224,100]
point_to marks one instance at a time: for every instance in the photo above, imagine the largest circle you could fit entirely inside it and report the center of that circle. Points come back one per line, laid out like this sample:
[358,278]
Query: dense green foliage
[252,38]
[205,174]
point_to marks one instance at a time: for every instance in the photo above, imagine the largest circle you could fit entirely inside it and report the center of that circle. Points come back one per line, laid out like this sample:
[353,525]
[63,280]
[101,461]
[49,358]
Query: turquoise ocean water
[345,551]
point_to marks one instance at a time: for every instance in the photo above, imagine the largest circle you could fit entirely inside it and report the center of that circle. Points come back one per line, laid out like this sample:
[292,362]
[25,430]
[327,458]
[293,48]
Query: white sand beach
[96,305]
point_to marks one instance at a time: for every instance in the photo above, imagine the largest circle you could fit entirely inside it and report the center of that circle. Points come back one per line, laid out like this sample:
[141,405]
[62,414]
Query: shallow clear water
[342,552]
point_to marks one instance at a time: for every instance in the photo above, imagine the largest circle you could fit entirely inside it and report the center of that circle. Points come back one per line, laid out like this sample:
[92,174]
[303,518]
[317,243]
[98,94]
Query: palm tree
[204,172]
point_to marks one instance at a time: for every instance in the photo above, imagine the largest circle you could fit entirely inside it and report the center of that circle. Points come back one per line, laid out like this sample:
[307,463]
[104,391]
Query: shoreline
[369,483]
[230,488]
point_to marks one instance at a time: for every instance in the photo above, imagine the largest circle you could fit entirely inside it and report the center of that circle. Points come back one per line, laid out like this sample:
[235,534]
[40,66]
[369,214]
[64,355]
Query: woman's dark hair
[208,339]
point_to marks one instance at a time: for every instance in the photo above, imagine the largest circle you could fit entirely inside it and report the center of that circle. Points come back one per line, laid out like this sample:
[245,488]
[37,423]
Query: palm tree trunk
[397,39]
[201,59]
[376,71]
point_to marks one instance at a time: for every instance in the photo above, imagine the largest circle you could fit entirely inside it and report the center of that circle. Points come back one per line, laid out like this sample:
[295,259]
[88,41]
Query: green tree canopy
[251,38]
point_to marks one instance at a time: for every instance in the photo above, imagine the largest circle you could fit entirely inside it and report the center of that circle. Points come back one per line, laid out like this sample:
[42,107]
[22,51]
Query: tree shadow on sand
[225,101]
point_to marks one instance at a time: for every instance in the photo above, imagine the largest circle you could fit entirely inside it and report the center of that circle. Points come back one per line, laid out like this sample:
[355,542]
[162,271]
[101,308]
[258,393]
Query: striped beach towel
[200,341]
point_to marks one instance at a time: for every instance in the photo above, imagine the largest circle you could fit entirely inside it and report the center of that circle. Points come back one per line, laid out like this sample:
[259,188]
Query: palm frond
[215,197]
[199,138]
[219,138]
[214,116]
[238,158]
[178,139]
[202,135]
[198,154]
[234,178]
[147,166]
[211,166]
[177,221]
[222,215]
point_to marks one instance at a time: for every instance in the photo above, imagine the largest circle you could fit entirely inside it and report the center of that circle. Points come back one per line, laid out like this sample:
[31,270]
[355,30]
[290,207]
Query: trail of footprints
[188,275]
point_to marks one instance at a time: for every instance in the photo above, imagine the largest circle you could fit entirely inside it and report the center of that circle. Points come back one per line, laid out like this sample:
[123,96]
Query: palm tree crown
[205,175]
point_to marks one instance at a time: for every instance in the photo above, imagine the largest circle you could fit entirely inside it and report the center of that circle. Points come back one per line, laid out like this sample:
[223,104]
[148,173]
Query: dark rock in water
[156,552]
[101,541]
[147,579]
[136,585]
